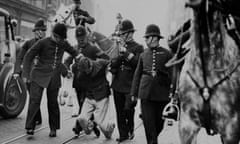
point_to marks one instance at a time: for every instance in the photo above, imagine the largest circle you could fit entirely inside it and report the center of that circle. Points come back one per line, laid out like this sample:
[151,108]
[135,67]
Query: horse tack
[209,85]
[206,93]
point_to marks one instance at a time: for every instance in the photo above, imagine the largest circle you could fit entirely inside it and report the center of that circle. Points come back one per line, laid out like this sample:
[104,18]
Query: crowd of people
[138,73]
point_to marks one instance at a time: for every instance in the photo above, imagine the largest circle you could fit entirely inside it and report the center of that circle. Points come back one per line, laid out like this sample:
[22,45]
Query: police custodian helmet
[40,25]
[126,26]
[153,30]
[60,29]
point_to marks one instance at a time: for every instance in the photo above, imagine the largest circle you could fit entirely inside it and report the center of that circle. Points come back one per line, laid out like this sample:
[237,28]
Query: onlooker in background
[46,73]
[39,33]
[151,83]
[122,68]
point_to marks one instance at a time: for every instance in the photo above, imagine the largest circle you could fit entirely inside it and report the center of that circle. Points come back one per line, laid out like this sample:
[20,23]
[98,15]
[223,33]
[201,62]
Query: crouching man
[97,96]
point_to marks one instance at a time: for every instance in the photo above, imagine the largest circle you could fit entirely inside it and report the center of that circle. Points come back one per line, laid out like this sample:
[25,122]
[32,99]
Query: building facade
[26,12]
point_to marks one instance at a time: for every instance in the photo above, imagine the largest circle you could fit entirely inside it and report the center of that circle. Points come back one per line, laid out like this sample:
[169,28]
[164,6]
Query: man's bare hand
[15,75]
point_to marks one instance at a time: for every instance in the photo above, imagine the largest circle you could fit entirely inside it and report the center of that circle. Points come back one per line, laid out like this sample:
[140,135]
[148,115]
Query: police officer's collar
[155,48]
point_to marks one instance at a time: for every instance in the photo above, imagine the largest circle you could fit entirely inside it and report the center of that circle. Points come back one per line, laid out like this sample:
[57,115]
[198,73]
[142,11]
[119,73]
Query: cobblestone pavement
[12,130]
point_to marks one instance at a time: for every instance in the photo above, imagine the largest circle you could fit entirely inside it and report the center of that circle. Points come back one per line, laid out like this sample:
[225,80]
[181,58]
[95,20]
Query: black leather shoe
[77,128]
[53,133]
[30,132]
[96,130]
[121,139]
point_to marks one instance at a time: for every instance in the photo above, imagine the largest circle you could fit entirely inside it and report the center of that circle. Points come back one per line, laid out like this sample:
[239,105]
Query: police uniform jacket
[49,66]
[27,45]
[97,86]
[152,79]
[123,69]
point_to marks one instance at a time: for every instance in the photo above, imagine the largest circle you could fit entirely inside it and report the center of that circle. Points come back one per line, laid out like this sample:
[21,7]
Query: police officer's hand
[25,80]
[78,57]
[134,101]
[122,50]
[15,75]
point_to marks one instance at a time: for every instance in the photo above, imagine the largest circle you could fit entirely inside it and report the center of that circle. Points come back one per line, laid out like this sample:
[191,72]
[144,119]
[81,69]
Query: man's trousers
[38,116]
[36,92]
[152,119]
[81,95]
[125,114]
[97,108]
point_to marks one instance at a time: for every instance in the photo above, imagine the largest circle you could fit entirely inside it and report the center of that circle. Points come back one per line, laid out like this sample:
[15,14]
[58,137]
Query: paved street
[12,131]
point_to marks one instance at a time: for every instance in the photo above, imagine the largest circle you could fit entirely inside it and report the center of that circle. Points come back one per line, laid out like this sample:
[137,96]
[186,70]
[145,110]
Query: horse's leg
[188,129]
[230,133]
[230,140]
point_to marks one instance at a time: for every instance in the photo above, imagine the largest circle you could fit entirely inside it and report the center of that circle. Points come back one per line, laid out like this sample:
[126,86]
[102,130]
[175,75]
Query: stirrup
[171,111]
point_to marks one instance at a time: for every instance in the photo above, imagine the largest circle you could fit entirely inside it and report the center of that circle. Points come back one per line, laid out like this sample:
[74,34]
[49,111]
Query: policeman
[151,83]
[80,16]
[123,67]
[46,74]
[39,33]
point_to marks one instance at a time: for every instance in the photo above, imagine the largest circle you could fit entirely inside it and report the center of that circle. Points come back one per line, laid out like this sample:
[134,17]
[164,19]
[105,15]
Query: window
[2,29]
[26,29]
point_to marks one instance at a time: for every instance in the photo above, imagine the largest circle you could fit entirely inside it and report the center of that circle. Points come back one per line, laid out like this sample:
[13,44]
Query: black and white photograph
[119,72]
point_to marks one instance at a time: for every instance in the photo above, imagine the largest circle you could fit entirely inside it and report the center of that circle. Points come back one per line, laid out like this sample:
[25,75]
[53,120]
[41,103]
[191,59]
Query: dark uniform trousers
[38,116]
[152,119]
[36,92]
[123,70]
[151,83]
[17,68]
[125,116]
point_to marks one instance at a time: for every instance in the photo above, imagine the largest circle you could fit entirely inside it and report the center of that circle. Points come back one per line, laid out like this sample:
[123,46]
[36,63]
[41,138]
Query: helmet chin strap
[151,42]
[128,38]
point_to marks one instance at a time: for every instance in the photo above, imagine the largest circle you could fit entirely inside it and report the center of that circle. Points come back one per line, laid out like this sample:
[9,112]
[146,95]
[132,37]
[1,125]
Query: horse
[209,84]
